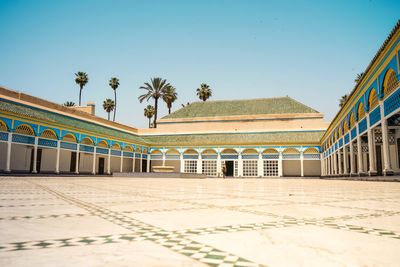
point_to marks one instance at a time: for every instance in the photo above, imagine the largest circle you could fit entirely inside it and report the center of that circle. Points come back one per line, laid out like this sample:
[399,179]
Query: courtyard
[111,221]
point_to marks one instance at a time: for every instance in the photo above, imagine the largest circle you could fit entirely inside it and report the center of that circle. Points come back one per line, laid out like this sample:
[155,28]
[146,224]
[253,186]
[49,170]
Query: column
[371,151]
[352,160]
[359,157]
[109,162]
[148,163]
[280,165]
[302,164]
[340,162]
[199,165]
[94,161]
[9,142]
[385,143]
[77,159]
[35,148]
[121,161]
[345,161]
[133,162]
[335,166]
[163,158]
[58,157]
[141,162]
[219,167]
[240,165]
[260,165]
[182,164]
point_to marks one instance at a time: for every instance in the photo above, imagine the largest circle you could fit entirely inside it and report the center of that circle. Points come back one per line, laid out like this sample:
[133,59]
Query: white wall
[137,165]
[291,167]
[115,163]
[65,160]
[48,161]
[85,163]
[312,167]
[127,167]
[20,157]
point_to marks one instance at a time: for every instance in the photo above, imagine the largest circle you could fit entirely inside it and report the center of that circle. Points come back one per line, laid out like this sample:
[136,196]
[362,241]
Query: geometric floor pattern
[111,221]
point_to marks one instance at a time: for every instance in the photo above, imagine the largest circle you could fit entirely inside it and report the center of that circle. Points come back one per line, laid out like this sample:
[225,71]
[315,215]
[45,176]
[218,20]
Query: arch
[372,99]
[229,151]
[156,152]
[128,148]
[145,151]
[103,144]
[25,129]
[360,111]
[69,138]
[270,151]
[190,152]
[172,151]
[345,127]
[87,141]
[138,150]
[116,146]
[209,151]
[49,134]
[250,151]
[311,150]
[291,150]
[352,120]
[3,126]
[390,82]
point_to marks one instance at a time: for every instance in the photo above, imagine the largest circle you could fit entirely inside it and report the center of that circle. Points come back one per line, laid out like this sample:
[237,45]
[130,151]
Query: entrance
[378,160]
[144,165]
[229,168]
[38,160]
[73,162]
[101,166]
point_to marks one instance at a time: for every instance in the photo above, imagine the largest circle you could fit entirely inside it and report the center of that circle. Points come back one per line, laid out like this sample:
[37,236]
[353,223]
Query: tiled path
[90,221]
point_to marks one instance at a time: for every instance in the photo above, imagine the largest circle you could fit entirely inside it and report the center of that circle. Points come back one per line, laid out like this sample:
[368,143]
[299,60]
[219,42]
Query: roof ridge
[236,100]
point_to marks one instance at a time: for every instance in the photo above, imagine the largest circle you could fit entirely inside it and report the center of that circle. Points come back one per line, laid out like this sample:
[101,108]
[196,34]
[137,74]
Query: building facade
[271,137]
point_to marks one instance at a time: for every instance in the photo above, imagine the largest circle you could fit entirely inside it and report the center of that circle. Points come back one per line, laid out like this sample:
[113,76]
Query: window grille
[24,129]
[209,167]
[49,134]
[250,168]
[190,166]
[3,127]
[390,83]
[271,168]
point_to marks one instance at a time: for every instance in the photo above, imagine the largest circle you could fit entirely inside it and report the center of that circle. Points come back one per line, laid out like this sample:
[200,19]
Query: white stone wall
[20,157]
[48,161]
[3,156]
[291,168]
[85,163]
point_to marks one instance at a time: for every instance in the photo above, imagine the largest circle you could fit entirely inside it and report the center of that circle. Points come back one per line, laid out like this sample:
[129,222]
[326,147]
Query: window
[209,167]
[271,168]
[250,168]
[190,166]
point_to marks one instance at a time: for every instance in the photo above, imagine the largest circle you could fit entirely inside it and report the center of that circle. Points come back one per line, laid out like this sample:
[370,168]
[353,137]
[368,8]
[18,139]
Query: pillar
[385,143]
[94,161]
[371,152]
[58,157]
[163,158]
[141,162]
[9,142]
[35,148]
[359,157]
[77,159]
[199,165]
[302,163]
[109,162]
[148,163]
[345,161]
[280,165]
[340,162]
[260,165]
[121,165]
[335,165]
[240,165]
[219,167]
[182,164]
[133,162]
[352,160]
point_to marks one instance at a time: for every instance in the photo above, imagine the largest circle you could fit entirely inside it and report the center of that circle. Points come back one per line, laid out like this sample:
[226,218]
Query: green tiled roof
[72,123]
[279,105]
[303,137]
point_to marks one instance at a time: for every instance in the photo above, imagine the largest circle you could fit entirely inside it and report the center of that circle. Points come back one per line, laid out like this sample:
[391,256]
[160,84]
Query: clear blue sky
[309,50]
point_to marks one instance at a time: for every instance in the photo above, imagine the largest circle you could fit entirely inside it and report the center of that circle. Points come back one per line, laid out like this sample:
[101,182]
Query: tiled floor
[92,221]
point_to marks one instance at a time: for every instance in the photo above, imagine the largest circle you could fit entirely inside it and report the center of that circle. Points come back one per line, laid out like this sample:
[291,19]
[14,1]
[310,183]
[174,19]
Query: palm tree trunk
[108,115]
[169,110]
[80,95]
[115,101]
[155,112]
[149,122]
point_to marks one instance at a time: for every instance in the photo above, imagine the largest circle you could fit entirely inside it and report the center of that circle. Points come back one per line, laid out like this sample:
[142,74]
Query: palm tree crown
[155,90]
[108,106]
[359,76]
[169,97]
[149,113]
[343,100]
[114,83]
[69,104]
[204,92]
[81,78]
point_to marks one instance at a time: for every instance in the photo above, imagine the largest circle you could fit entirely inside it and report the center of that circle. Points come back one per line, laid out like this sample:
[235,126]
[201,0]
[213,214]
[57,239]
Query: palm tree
[149,113]
[155,90]
[359,76]
[69,104]
[343,100]
[169,97]
[82,79]
[204,92]
[114,83]
[108,106]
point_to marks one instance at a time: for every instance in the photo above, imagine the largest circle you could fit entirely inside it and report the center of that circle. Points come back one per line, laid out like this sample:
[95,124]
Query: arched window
[172,152]
[372,99]
[69,138]
[3,126]
[291,151]
[345,127]
[360,111]
[128,148]
[49,134]
[250,151]
[102,144]
[390,82]
[270,151]
[116,146]
[156,152]
[209,152]
[87,141]
[352,120]
[311,150]
[25,129]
